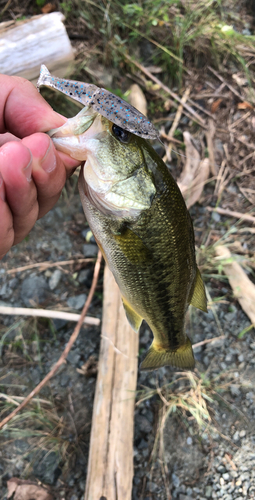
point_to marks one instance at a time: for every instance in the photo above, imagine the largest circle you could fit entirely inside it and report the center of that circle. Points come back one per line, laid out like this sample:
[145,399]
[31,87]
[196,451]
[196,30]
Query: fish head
[114,175]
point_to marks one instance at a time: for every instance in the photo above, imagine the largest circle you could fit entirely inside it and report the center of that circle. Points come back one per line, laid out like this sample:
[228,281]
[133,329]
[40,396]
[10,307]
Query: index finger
[23,111]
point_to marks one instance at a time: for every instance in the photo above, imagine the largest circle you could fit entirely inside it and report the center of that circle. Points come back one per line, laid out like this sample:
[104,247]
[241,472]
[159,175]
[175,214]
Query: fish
[140,221]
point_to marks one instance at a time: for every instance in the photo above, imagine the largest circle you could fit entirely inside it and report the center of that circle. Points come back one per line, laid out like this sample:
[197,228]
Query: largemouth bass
[140,221]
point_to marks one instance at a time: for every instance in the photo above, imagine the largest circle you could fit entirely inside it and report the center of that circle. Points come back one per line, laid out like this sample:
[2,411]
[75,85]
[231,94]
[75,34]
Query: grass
[45,429]
[171,34]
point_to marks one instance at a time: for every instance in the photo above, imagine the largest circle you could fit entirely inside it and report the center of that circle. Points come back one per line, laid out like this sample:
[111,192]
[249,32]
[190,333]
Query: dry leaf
[137,98]
[244,105]
[25,490]
[240,80]
[194,174]
[89,369]
[215,105]
[48,7]
[243,288]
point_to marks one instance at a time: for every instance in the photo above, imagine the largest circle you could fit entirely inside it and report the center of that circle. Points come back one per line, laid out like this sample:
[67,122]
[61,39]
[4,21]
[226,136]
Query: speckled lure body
[103,102]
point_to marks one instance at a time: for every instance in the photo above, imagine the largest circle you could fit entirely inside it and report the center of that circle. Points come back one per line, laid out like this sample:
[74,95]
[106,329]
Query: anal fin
[198,298]
[180,358]
[133,318]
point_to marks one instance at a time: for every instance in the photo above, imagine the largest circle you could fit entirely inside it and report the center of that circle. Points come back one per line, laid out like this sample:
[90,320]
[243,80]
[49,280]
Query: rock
[74,357]
[34,290]
[77,302]
[234,390]
[143,424]
[85,276]
[90,250]
[175,481]
[152,487]
[236,436]
[216,217]
[59,323]
[55,279]
[46,467]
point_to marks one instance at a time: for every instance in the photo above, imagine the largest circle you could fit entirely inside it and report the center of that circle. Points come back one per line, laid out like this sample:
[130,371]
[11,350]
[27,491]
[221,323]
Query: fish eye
[121,134]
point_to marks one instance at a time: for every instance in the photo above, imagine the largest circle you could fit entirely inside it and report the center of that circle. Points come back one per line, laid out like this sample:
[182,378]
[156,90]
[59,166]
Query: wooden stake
[110,469]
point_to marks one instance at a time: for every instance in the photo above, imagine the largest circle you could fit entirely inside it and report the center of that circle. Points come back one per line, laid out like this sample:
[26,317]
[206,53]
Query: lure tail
[180,358]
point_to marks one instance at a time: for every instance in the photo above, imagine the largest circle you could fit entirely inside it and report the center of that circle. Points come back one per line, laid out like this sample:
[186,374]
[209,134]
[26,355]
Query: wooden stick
[46,313]
[67,349]
[110,468]
[175,123]
[226,83]
[46,265]
[237,215]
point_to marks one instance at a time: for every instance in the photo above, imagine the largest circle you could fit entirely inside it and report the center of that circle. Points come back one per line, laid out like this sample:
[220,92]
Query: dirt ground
[194,433]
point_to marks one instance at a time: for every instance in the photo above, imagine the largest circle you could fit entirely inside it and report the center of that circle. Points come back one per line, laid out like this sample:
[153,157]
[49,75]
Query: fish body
[140,221]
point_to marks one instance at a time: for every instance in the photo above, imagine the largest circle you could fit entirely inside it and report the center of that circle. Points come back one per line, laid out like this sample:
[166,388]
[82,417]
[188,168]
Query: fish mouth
[73,137]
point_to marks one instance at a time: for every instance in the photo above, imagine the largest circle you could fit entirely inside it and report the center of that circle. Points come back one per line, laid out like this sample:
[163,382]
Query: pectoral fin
[181,358]
[132,246]
[133,318]
[198,298]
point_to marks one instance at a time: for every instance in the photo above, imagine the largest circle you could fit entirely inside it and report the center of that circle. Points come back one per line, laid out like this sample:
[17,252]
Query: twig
[207,341]
[240,120]
[46,265]
[45,313]
[209,138]
[237,215]
[175,123]
[226,83]
[196,117]
[171,139]
[194,103]
[66,350]
[7,5]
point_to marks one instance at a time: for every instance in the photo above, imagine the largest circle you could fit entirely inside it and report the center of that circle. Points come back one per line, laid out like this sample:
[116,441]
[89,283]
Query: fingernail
[2,190]
[49,160]
[28,170]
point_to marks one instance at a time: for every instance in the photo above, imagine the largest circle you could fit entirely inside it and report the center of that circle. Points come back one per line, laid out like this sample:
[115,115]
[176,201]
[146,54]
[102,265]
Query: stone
[34,290]
[143,424]
[84,276]
[55,279]
[77,302]
[90,250]
[46,467]
[175,480]
[152,487]
[216,217]
[234,390]
[236,436]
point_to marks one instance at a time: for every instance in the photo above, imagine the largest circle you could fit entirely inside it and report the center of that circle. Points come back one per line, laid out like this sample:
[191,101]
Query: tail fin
[45,76]
[157,356]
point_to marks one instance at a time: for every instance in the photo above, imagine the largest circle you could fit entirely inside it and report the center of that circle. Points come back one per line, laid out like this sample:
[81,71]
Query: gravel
[217,464]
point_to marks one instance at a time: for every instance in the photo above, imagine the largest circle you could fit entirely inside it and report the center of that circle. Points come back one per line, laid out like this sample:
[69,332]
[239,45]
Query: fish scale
[104,102]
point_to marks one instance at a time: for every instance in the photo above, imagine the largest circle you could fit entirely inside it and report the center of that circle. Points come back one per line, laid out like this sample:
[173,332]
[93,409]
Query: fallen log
[110,468]
[25,45]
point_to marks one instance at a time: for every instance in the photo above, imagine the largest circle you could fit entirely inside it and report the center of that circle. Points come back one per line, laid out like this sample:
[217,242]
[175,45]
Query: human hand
[32,172]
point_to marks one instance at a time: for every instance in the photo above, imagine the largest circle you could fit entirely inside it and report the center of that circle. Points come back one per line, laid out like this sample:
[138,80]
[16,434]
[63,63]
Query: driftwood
[25,45]
[110,469]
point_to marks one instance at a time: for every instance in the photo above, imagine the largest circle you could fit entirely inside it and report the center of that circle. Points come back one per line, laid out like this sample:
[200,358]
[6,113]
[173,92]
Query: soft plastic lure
[102,101]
